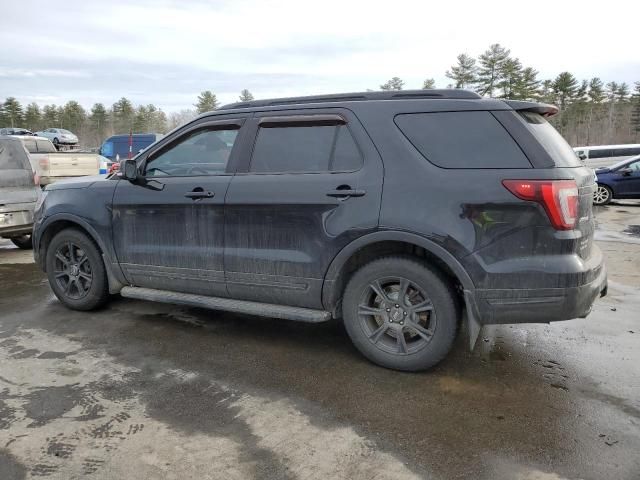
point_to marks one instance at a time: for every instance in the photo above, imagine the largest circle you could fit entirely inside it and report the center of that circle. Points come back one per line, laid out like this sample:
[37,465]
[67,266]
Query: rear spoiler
[543,109]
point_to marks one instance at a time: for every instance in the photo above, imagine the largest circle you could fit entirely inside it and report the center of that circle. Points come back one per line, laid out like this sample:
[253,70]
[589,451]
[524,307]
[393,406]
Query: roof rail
[443,93]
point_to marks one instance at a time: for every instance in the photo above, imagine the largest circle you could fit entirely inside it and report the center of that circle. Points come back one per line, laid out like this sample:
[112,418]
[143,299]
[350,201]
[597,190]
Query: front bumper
[538,305]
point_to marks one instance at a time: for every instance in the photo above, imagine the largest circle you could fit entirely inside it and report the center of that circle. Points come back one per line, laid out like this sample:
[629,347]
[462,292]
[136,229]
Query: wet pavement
[141,390]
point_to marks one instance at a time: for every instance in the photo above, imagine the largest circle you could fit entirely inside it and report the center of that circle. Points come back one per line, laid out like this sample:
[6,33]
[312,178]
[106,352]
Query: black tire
[76,271]
[603,195]
[23,241]
[427,335]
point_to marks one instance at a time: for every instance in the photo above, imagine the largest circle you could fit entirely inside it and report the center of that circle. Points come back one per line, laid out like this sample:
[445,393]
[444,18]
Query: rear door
[308,184]
[168,228]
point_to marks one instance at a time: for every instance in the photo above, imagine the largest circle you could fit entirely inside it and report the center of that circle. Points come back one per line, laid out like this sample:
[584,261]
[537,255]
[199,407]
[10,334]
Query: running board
[237,306]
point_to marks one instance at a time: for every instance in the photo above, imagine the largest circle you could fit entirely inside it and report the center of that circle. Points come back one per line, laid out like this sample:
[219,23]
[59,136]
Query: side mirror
[129,169]
[626,171]
[582,156]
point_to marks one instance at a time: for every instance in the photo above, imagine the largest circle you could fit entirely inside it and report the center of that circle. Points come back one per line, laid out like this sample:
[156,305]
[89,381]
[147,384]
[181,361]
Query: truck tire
[23,242]
[400,314]
[76,271]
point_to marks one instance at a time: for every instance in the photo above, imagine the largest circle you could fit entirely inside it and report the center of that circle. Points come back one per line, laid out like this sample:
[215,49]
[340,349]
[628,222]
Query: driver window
[202,152]
[635,166]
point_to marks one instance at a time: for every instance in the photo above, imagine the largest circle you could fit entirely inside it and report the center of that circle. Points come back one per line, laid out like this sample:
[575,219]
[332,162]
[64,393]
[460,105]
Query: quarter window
[305,149]
[202,152]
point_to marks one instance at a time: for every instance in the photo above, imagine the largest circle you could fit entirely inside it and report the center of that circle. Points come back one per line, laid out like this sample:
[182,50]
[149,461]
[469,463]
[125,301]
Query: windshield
[622,163]
[550,139]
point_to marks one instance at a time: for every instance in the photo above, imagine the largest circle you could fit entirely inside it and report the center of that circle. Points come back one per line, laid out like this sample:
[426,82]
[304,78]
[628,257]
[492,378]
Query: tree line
[100,122]
[592,112]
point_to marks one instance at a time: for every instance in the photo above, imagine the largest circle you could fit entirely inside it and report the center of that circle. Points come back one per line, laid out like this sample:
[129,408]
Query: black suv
[393,211]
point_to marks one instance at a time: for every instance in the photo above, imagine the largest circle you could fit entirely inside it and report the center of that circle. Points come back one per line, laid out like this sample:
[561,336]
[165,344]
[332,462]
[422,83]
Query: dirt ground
[141,390]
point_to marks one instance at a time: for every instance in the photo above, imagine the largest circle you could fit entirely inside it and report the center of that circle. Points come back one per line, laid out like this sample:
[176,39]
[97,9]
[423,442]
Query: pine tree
[32,117]
[394,83]
[528,85]
[140,120]
[635,110]
[207,102]
[622,92]
[428,83]
[491,64]
[565,87]
[463,73]
[123,113]
[98,121]
[596,90]
[50,117]
[73,116]
[12,111]
[245,96]
[510,78]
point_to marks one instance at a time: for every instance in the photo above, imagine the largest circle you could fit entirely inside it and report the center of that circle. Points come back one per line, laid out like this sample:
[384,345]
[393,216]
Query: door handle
[345,192]
[198,195]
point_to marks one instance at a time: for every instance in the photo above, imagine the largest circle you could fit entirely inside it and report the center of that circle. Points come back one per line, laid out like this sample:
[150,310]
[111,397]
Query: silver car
[18,192]
[59,136]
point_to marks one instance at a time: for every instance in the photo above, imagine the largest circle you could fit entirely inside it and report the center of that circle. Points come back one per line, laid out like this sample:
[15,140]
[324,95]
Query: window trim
[169,141]
[297,121]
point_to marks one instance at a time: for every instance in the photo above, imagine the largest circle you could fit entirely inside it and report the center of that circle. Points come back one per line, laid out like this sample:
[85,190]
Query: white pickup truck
[51,165]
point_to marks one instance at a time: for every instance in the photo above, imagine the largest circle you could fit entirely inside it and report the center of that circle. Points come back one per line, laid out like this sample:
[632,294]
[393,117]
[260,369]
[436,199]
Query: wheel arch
[56,223]
[360,251]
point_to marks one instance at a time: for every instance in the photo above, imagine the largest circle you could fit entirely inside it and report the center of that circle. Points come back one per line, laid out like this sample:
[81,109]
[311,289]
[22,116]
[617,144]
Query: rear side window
[30,145]
[13,156]
[44,146]
[462,140]
[551,140]
[305,149]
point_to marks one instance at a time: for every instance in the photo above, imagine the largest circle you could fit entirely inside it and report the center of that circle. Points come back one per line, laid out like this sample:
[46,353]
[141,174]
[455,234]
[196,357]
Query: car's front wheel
[602,195]
[400,314]
[76,271]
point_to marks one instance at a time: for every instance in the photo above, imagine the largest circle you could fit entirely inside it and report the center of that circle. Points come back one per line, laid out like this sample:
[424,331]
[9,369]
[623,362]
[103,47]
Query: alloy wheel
[72,271]
[397,315]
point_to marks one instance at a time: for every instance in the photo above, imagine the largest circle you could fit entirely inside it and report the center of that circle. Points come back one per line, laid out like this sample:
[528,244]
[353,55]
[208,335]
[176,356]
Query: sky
[167,51]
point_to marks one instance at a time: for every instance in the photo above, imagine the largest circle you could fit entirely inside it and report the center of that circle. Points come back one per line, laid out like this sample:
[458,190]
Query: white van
[605,155]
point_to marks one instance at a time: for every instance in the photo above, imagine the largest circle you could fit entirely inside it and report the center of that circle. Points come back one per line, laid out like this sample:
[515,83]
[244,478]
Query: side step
[237,306]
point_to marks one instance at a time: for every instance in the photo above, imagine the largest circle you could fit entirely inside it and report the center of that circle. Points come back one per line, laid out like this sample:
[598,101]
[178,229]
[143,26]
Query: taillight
[44,161]
[36,179]
[558,197]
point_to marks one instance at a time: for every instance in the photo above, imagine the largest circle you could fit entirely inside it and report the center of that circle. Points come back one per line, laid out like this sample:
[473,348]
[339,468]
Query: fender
[114,274]
[329,296]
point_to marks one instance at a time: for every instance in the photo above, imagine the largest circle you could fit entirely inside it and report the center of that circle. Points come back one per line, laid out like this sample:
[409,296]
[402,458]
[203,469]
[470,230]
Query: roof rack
[444,93]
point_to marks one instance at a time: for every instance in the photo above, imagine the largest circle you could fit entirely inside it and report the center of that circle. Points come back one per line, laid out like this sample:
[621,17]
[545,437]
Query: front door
[168,228]
[311,184]
[629,181]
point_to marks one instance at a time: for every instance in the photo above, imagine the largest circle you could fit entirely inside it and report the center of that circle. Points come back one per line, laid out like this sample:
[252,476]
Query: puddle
[633,230]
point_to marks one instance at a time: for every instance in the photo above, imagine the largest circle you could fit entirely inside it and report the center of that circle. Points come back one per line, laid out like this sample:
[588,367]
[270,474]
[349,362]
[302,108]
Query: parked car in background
[19,192]
[604,155]
[15,131]
[277,208]
[116,147]
[621,180]
[59,136]
[52,165]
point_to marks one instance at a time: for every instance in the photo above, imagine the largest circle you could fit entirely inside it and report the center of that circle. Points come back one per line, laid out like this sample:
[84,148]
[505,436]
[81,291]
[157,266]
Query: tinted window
[203,152]
[551,140]
[462,140]
[45,146]
[305,149]
[13,156]
[625,152]
[601,153]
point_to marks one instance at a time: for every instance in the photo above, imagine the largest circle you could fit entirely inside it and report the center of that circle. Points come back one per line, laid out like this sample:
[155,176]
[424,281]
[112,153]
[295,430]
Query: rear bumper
[16,219]
[539,305]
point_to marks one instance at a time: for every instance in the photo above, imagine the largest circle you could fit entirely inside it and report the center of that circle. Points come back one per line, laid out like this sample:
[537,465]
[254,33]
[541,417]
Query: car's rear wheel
[400,314]
[76,271]
[602,195]
[23,241]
